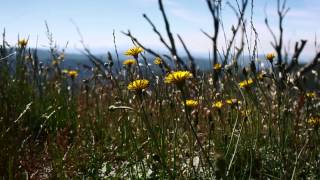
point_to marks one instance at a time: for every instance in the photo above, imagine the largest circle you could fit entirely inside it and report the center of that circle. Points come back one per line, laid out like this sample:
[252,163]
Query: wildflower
[138,85]
[217,104]
[177,77]
[246,83]
[191,103]
[28,57]
[73,74]
[245,113]
[232,102]
[135,51]
[55,62]
[129,62]
[314,121]
[217,67]
[22,43]
[61,56]
[261,76]
[270,57]
[311,94]
[65,71]
[157,61]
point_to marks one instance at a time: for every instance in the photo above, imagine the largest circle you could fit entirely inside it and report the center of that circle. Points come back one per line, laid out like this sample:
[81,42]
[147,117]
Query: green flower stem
[193,129]
[152,134]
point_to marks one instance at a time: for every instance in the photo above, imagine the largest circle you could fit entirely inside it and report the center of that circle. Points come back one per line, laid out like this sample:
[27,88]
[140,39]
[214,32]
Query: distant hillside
[74,60]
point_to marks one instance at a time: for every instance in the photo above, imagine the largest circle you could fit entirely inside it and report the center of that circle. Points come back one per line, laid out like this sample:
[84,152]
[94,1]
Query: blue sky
[98,18]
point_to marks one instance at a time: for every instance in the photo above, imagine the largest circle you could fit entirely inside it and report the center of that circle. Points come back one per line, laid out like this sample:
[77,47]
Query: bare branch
[309,66]
[214,8]
[235,30]
[271,32]
[157,32]
[134,39]
[115,48]
[297,51]
[205,33]
[192,63]
[173,49]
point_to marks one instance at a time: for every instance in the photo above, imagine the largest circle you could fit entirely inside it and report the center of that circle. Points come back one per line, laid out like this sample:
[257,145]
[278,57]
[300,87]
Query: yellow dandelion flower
[217,66]
[138,85]
[245,113]
[129,62]
[311,94]
[135,51]
[55,62]
[232,101]
[217,104]
[270,56]
[177,77]
[246,83]
[157,61]
[314,121]
[261,76]
[65,71]
[73,74]
[22,43]
[191,103]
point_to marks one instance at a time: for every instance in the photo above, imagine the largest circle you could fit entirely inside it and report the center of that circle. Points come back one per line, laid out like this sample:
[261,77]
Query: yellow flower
[311,94]
[217,104]
[270,56]
[138,85]
[245,113]
[135,51]
[129,62]
[73,73]
[314,121]
[232,101]
[157,61]
[177,77]
[246,83]
[28,57]
[261,76]
[61,56]
[191,103]
[55,62]
[22,43]
[217,67]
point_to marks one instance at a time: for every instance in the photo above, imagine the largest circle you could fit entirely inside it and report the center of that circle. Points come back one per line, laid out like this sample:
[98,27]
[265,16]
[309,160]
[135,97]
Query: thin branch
[192,62]
[150,51]
[309,66]
[297,51]
[115,48]
[173,49]
[205,33]
[156,31]
[215,11]
[278,42]
[271,32]
[235,30]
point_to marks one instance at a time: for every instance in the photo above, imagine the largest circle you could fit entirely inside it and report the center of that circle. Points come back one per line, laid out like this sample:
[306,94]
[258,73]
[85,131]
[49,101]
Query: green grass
[102,129]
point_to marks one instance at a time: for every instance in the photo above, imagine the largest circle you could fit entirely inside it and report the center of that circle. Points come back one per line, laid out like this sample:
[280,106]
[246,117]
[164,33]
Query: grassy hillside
[168,120]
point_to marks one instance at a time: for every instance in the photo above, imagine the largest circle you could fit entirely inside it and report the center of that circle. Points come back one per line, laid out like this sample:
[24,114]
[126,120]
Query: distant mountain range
[74,60]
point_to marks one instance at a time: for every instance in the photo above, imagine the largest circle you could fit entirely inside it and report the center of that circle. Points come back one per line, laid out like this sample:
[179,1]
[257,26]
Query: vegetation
[167,120]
